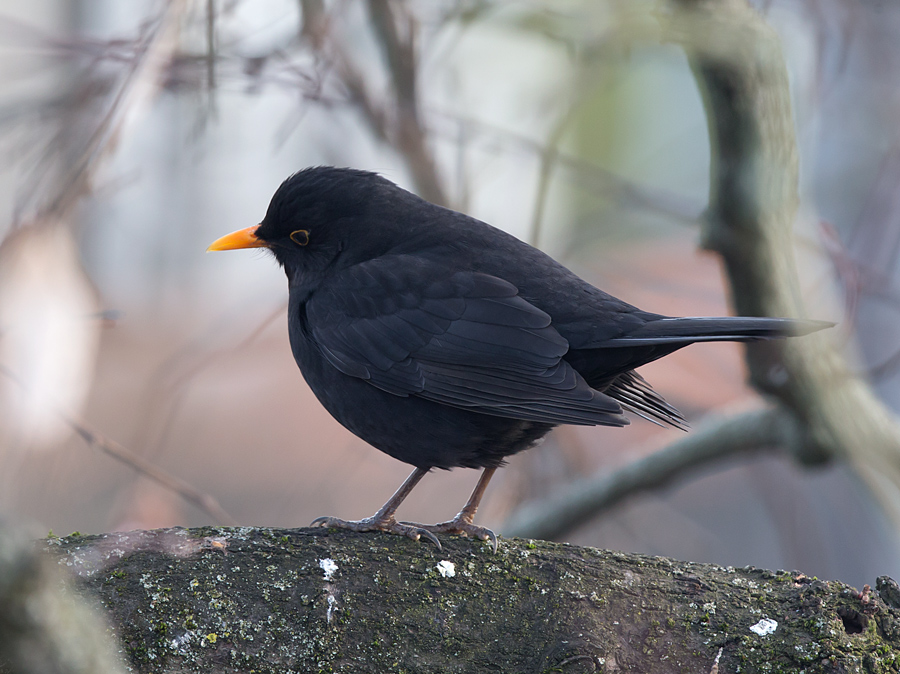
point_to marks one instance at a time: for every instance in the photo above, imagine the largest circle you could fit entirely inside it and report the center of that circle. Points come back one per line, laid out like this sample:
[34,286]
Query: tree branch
[754,195]
[313,600]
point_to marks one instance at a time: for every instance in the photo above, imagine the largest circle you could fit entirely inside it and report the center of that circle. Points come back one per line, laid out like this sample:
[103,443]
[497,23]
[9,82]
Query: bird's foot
[462,526]
[387,524]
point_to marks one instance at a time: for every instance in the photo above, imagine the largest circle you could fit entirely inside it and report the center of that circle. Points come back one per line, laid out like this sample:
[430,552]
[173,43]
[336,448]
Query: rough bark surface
[312,600]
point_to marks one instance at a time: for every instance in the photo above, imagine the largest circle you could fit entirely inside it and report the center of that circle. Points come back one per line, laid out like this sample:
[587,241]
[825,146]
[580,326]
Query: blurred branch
[148,63]
[45,629]
[399,124]
[389,18]
[591,176]
[211,44]
[753,201]
[205,502]
[169,383]
[578,503]
[737,60]
[549,158]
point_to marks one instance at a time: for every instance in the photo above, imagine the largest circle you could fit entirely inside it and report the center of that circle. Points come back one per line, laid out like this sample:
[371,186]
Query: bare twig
[211,44]
[168,384]
[739,435]
[145,75]
[549,157]
[586,173]
[396,30]
[205,502]
[399,123]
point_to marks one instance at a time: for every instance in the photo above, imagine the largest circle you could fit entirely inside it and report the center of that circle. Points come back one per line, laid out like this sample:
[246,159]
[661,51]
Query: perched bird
[445,342]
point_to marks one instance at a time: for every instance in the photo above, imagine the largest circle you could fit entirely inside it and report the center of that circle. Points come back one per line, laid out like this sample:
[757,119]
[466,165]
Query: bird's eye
[300,237]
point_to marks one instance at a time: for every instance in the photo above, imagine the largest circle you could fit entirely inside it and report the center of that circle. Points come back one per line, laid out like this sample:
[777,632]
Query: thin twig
[410,135]
[168,384]
[205,502]
[398,124]
[145,76]
[592,176]
[211,45]
[549,155]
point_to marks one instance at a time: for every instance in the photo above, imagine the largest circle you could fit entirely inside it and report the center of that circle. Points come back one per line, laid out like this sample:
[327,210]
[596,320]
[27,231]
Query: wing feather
[465,339]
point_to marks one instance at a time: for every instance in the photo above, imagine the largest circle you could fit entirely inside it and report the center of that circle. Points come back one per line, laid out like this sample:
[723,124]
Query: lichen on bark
[311,600]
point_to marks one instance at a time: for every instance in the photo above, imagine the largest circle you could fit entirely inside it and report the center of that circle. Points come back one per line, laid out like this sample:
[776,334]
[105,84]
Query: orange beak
[243,238]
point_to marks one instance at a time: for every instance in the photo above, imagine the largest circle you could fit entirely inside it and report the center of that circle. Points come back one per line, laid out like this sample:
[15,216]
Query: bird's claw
[387,525]
[459,526]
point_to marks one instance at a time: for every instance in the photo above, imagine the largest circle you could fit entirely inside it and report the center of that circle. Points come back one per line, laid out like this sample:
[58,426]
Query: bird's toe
[460,527]
[387,525]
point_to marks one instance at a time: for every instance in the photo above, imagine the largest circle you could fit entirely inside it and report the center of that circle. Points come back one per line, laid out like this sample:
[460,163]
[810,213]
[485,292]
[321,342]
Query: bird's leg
[463,522]
[384,520]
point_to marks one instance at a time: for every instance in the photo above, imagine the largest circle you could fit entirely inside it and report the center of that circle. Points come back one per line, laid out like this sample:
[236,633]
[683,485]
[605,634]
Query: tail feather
[725,329]
[635,394]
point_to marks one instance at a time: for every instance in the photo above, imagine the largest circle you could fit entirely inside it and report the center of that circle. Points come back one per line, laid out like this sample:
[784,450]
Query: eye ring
[300,237]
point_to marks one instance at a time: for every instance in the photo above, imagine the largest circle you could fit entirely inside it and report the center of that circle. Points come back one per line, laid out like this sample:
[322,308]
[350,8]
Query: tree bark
[314,600]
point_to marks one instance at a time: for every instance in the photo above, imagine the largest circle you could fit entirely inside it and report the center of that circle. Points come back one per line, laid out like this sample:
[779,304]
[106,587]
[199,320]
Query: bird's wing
[412,327]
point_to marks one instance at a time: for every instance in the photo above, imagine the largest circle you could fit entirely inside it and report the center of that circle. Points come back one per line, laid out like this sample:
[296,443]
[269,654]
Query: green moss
[524,601]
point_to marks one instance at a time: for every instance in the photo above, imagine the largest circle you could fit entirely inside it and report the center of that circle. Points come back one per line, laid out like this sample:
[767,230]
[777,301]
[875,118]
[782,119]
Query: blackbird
[445,342]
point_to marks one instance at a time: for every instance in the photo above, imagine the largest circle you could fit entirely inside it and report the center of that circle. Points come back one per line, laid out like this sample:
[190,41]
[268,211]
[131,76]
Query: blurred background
[134,134]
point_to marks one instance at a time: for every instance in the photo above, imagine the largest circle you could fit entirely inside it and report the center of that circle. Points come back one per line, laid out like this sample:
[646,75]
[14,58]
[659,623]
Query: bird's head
[313,217]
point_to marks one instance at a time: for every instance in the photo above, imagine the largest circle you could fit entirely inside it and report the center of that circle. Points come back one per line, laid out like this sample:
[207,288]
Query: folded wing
[412,327]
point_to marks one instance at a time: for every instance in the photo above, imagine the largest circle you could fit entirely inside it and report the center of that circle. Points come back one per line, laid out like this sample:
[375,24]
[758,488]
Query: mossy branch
[311,600]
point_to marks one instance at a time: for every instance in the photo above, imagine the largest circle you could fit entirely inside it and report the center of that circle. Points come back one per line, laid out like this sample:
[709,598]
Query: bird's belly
[414,430]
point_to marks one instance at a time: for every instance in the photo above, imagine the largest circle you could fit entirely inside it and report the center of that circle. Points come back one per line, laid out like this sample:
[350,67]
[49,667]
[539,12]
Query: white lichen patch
[764,627]
[329,567]
[446,569]
[179,642]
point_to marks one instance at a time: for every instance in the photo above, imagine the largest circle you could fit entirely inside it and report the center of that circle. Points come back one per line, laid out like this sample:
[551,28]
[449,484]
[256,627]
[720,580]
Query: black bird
[445,342]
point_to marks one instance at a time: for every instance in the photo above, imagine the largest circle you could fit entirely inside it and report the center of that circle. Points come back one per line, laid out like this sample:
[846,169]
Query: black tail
[727,329]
